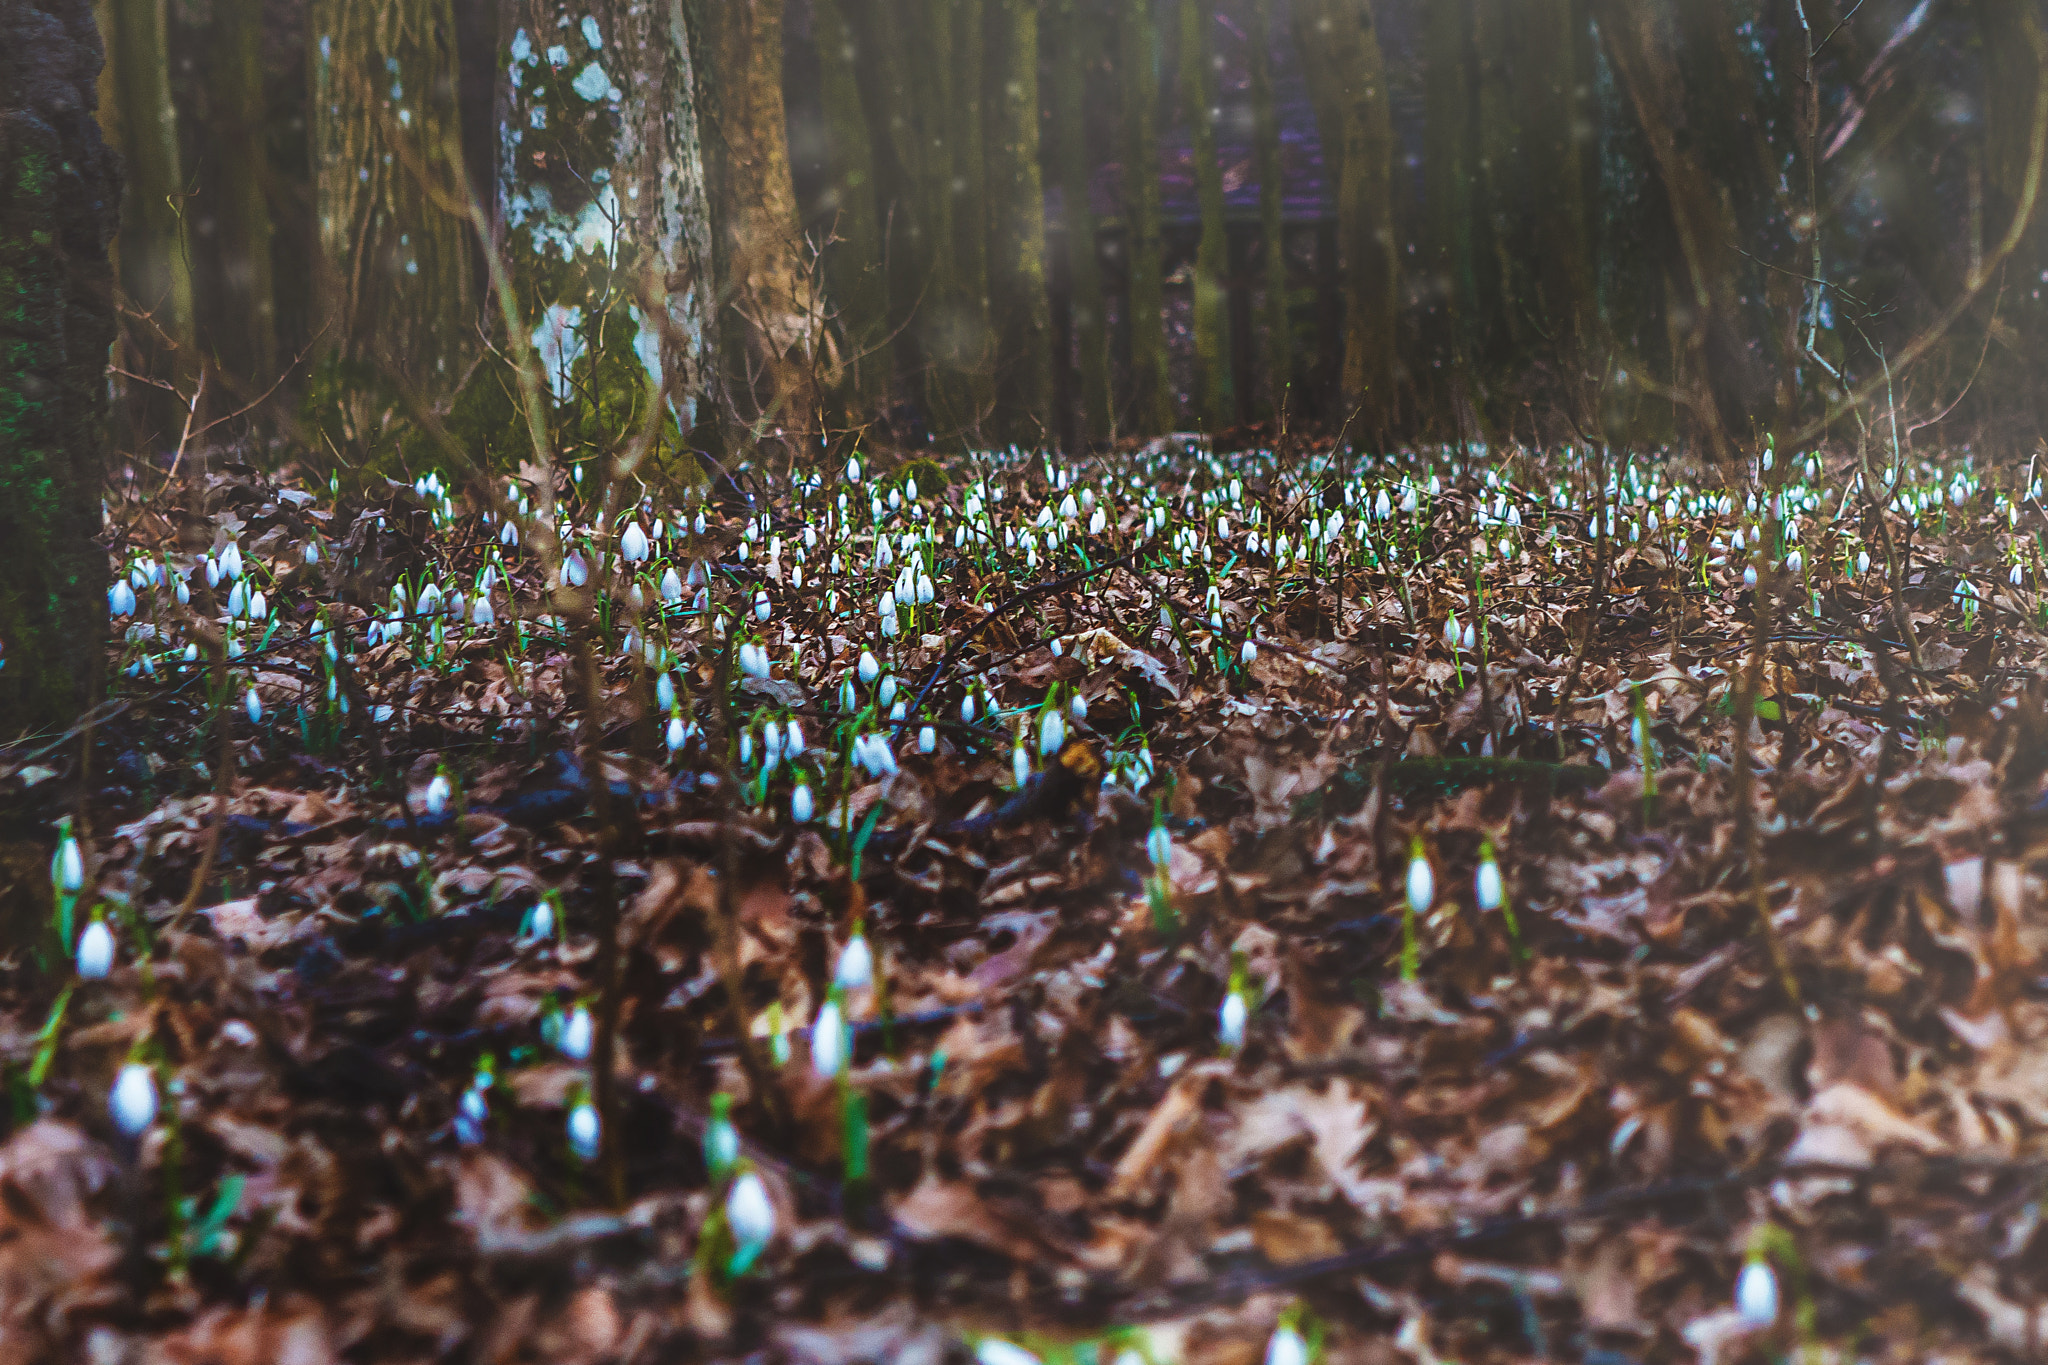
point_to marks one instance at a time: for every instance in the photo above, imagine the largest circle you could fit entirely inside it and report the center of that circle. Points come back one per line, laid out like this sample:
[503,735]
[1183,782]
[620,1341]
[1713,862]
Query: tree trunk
[1365,219]
[398,290]
[150,253]
[1551,182]
[1215,404]
[244,333]
[767,316]
[1017,227]
[59,196]
[853,261]
[1447,192]
[1151,389]
[2012,44]
[1279,366]
[1084,267]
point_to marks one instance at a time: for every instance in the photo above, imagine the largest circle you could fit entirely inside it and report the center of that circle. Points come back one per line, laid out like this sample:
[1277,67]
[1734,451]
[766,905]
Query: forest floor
[1372,954]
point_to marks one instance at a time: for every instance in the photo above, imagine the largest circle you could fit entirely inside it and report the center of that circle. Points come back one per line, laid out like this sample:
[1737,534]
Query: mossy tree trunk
[767,316]
[59,200]
[150,253]
[1215,403]
[1071,61]
[1138,53]
[1016,223]
[2013,49]
[398,279]
[1279,366]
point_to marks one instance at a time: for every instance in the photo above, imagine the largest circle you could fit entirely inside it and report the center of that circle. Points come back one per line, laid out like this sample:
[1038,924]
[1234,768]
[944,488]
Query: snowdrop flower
[793,743]
[1159,846]
[664,690]
[1452,633]
[856,969]
[576,1035]
[1421,881]
[926,591]
[852,471]
[472,1111]
[95,951]
[238,597]
[761,605]
[885,614]
[67,869]
[586,1136]
[967,708]
[1078,707]
[254,705]
[1756,1293]
[231,560]
[996,1351]
[675,734]
[828,1039]
[132,1102]
[748,1211]
[1749,576]
[1248,653]
[802,806]
[121,598]
[753,660]
[927,740]
[1285,1347]
[671,585]
[1487,889]
[1020,763]
[1052,731]
[541,923]
[182,589]
[633,544]
[312,554]
[870,668]
[438,792]
[575,572]
[1230,1020]
[2017,576]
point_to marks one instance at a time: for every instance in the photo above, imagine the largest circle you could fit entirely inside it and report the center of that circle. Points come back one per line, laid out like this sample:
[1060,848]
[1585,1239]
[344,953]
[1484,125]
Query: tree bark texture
[1138,52]
[1076,49]
[59,201]
[398,284]
[1017,226]
[1279,356]
[150,253]
[766,312]
[241,322]
[1215,403]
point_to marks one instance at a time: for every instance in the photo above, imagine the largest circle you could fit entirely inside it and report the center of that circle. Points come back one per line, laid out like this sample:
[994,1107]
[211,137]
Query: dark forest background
[975,221]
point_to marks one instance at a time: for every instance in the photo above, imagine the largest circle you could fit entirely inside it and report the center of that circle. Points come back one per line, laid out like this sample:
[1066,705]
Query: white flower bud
[1756,1293]
[1285,1346]
[1052,731]
[870,667]
[856,969]
[95,951]
[1486,886]
[586,1135]
[828,1041]
[576,1035]
[802,806]
[132,1102]
[633,544]
[1421,884]
[254,705]
[1230,1021]
[748,1212]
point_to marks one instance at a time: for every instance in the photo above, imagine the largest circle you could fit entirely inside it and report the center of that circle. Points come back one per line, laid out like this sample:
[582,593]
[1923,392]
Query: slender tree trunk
[1084,267]
[854,268]
[1551,183]
[1017,226]
[766,316]
[398,289]
[1272,206]
[1447,192]
[1151,389]
[59,199]
[151,259]
[971,134]
[1215,403]
[1365,220]
[244,334]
